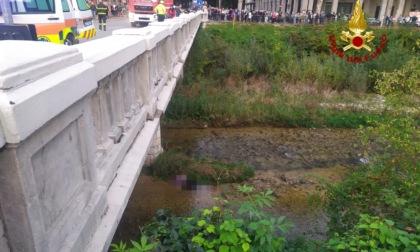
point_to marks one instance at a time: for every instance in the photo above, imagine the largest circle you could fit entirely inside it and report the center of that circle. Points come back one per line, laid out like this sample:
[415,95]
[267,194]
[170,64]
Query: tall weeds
[254,74]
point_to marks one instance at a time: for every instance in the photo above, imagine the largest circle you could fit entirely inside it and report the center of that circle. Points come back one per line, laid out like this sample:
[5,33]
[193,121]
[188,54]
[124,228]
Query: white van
[56,21]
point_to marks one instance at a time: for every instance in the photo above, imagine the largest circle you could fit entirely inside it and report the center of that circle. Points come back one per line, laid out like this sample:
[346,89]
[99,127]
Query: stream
[290,161]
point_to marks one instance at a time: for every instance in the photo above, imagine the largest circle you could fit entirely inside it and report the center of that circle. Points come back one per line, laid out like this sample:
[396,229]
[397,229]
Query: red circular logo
[357,41]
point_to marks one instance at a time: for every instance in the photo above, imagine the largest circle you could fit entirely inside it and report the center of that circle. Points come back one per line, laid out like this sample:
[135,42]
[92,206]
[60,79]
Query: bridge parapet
[76,126]
[4,247]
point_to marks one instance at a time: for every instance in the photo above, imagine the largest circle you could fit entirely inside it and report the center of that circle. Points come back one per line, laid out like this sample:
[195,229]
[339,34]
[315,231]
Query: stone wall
[4,247]
[76,126]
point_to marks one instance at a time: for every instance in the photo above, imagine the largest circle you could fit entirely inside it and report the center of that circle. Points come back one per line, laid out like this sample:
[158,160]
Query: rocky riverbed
[291,162]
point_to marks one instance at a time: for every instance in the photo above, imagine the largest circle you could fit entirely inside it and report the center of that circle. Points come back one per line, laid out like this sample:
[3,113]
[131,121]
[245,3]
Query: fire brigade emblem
[357,26]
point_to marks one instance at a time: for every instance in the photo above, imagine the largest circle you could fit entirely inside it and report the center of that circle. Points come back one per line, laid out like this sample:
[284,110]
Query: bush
[172,163]
[247,75]
[375,234]
[387,186]
[405,81]
[221,51]
[238,226]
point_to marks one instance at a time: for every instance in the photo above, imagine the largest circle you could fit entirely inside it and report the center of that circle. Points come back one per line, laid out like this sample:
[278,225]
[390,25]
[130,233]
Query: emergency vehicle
[141,12]
[55,21]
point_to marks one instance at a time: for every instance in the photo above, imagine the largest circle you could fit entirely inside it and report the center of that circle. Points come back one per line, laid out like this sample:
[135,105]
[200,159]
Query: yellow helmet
[162,2]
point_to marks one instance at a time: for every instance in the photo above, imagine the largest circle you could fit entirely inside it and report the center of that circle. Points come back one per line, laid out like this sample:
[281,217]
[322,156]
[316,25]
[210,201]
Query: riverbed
[289,161]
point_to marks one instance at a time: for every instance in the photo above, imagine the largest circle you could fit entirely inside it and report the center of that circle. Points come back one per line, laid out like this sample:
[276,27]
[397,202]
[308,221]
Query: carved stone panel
[58,171]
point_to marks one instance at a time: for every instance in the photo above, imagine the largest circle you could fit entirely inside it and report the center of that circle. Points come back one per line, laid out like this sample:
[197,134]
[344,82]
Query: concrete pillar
[167,50]
[155,150]
[283,6]
[366,8]
[205,15]
[304,6]
[155,66]
[400,8]
[318,6]
[118,97]
[126,81]
[105,136]
[382,13]
[146,82]
[334,6]
[142,79]
[310,5]
[295,6]
[390,4]
[175,41]
[131,77]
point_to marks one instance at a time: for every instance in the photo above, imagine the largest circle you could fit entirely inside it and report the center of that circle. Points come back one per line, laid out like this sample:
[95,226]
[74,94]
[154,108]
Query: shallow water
[288,161]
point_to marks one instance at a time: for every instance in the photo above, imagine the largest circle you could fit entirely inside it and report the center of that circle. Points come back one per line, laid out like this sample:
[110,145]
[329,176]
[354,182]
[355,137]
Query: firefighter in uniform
[102,11]
[160,11]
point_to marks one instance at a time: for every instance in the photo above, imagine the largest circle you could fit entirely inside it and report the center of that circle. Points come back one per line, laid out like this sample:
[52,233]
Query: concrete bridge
[77,124]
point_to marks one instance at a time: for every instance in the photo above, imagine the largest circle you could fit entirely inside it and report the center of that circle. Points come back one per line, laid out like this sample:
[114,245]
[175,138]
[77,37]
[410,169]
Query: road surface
[111,25]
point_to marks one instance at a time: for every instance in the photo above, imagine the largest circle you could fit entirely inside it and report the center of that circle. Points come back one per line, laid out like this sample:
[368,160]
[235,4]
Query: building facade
[372,8]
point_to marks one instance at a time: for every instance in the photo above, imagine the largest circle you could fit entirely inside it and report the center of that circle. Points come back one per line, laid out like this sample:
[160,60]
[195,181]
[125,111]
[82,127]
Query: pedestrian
[414,20]
[102,11]
[388,21]
[115,7]
[273,17]
[93,9]
[161,11]
[113,10]
[322,17]
[171,12]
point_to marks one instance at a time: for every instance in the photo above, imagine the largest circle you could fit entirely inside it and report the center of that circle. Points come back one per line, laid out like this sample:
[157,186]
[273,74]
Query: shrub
[387,186]
[172,163]
[238,226]
[405,81]
[375,234]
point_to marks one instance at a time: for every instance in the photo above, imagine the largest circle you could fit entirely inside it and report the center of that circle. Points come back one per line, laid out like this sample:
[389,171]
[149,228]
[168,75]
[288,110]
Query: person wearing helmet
[160,11]
[102,11]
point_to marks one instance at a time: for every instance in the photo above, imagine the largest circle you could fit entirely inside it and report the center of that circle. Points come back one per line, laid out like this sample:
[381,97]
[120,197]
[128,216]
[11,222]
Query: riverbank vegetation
[255,74]
[284,76]
[388,187]
[172,163]
[244,226]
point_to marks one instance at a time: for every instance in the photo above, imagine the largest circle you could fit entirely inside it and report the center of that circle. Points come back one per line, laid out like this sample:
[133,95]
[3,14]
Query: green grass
[266,75]
[172,163]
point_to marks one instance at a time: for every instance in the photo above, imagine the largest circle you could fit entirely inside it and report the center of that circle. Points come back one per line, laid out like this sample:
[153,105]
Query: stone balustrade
[77,124]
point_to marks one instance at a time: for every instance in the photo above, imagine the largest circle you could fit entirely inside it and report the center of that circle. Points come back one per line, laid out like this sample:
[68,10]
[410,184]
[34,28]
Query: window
[32,6]
[83,5]
[328,8]
[65,5]
[345,8]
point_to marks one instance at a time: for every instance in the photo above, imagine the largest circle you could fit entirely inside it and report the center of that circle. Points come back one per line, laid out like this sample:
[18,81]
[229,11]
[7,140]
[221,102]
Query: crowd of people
[305,17]
[259,16]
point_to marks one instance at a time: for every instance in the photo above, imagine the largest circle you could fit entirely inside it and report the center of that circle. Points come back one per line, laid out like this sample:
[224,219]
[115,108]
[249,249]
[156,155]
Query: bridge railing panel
[76,126]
